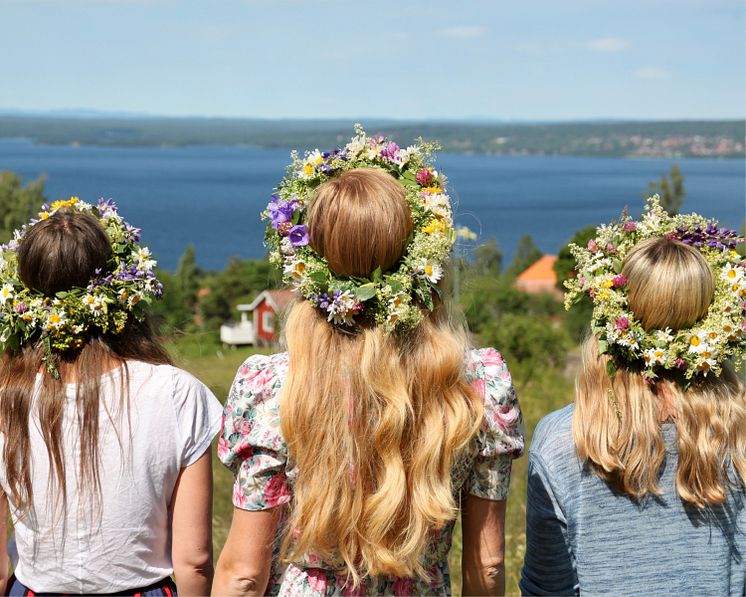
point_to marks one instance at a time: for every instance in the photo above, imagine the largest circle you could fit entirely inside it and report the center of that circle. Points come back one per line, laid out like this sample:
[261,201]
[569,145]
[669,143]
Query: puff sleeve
[250,443]
[501,437]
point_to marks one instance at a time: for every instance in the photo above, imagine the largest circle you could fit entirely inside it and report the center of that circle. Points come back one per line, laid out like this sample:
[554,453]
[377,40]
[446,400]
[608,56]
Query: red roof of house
[279,299]
[541,270]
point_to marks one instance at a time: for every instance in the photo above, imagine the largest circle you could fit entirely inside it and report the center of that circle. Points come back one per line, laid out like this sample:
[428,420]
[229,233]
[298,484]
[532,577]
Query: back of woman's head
[670,283]
[359,221]
[67,250]
[62,252]
[374,420]
[617,419]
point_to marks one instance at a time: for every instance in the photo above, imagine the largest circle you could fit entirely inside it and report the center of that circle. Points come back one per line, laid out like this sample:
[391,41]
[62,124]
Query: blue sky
[414,59]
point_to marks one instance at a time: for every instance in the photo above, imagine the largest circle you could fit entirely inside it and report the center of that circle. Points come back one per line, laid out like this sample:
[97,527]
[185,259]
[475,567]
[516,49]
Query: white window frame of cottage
[267,322]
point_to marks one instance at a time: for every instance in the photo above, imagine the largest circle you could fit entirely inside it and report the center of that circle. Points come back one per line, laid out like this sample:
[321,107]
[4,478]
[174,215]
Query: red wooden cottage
[260,328]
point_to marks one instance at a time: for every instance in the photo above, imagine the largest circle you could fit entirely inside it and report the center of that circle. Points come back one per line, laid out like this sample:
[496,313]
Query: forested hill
[631,139]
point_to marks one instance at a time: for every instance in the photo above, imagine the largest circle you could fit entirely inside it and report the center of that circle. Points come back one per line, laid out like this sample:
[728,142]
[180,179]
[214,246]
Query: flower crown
[695,350]
[64,321]
[394,299]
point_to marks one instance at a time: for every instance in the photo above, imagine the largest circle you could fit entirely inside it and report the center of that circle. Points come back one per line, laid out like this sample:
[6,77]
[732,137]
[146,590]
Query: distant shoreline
[632,139]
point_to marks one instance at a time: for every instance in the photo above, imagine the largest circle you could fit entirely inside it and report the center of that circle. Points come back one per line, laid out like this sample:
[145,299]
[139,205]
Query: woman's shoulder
[486,363]
[262,374]
[552,440]
[162,374]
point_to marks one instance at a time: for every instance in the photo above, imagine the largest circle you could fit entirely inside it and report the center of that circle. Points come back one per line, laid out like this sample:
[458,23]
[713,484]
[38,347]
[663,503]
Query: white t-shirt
[123,540]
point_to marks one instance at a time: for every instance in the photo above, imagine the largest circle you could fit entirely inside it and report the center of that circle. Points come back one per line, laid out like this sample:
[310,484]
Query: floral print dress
[252,446]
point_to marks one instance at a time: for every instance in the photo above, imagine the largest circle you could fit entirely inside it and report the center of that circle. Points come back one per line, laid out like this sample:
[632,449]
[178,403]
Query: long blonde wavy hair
[373,421]
[617,420]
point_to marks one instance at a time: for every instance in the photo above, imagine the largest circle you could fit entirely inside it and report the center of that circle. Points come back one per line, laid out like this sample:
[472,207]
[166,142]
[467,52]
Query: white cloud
[608,44]
[464,32]
[652,72]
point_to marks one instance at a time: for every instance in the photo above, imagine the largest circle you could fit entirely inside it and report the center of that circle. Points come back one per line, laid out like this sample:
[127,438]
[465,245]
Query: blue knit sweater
[581,537]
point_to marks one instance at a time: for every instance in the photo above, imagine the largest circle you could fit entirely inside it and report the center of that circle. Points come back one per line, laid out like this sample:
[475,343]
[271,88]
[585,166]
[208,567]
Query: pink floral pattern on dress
[252,446]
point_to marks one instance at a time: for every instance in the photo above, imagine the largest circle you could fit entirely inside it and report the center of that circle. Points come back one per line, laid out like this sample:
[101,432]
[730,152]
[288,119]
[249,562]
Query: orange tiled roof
[541,270]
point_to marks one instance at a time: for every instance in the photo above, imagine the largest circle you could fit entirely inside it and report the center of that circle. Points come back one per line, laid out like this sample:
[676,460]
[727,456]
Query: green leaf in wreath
[318,277]
[365,292]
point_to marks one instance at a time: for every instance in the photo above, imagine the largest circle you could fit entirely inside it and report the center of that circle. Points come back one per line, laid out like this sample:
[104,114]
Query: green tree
[526,253]
[670,189]
[530,343]
[171,313]
[488,258]
[187,277]
[17,202]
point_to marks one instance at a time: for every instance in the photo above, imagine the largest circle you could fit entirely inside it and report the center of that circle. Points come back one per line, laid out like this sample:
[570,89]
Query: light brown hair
[617,420]
[374,422]
[57,254]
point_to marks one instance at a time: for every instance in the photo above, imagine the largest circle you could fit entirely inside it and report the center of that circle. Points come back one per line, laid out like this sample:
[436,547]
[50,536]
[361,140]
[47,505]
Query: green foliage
[530,343]
[187,277]
[18,203]
[241,281]
[171,314]
[526,253]
[488,258]
[671,191]
[525,327]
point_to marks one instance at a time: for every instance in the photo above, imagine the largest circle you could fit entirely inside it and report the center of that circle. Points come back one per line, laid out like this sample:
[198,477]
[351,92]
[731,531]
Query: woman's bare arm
[191,524]
[245,562]
[483,523]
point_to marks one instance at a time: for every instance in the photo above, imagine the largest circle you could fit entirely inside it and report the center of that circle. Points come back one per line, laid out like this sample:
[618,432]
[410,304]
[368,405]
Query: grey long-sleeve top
[581,537]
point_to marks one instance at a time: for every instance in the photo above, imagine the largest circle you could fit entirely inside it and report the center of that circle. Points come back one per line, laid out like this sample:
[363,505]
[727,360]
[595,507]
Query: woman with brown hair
[639,486]
[105,445]
[355,451]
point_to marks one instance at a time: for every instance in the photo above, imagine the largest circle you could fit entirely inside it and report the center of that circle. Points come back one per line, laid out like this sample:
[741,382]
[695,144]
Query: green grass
[204,357]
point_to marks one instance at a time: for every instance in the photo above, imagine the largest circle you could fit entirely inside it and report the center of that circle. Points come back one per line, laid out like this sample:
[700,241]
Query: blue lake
[211,196]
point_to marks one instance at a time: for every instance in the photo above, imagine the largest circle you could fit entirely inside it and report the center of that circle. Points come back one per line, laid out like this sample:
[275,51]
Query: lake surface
[211,196]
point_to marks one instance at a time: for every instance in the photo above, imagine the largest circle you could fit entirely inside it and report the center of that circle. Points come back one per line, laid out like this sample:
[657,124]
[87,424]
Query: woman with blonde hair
[639,486]
[105,445]
[355,451]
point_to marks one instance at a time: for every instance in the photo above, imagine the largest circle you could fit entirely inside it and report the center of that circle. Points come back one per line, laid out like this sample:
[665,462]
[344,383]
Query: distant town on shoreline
[634,139]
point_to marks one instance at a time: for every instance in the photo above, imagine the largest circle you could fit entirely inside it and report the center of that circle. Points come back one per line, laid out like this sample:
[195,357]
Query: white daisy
[698,343]
[6,292]
[732,274]
[432,272]
[143,258]
[665,335]
[296,269]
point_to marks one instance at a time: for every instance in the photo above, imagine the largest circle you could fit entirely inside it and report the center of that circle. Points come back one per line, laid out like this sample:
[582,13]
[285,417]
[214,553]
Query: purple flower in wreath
[298,235]
[622,323]
[281,211]
[389,151]
[630,226]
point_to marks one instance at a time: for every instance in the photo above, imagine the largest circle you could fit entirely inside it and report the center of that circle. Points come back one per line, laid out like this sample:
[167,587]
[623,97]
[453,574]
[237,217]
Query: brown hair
[616,423]
[374,422]
[57,254]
